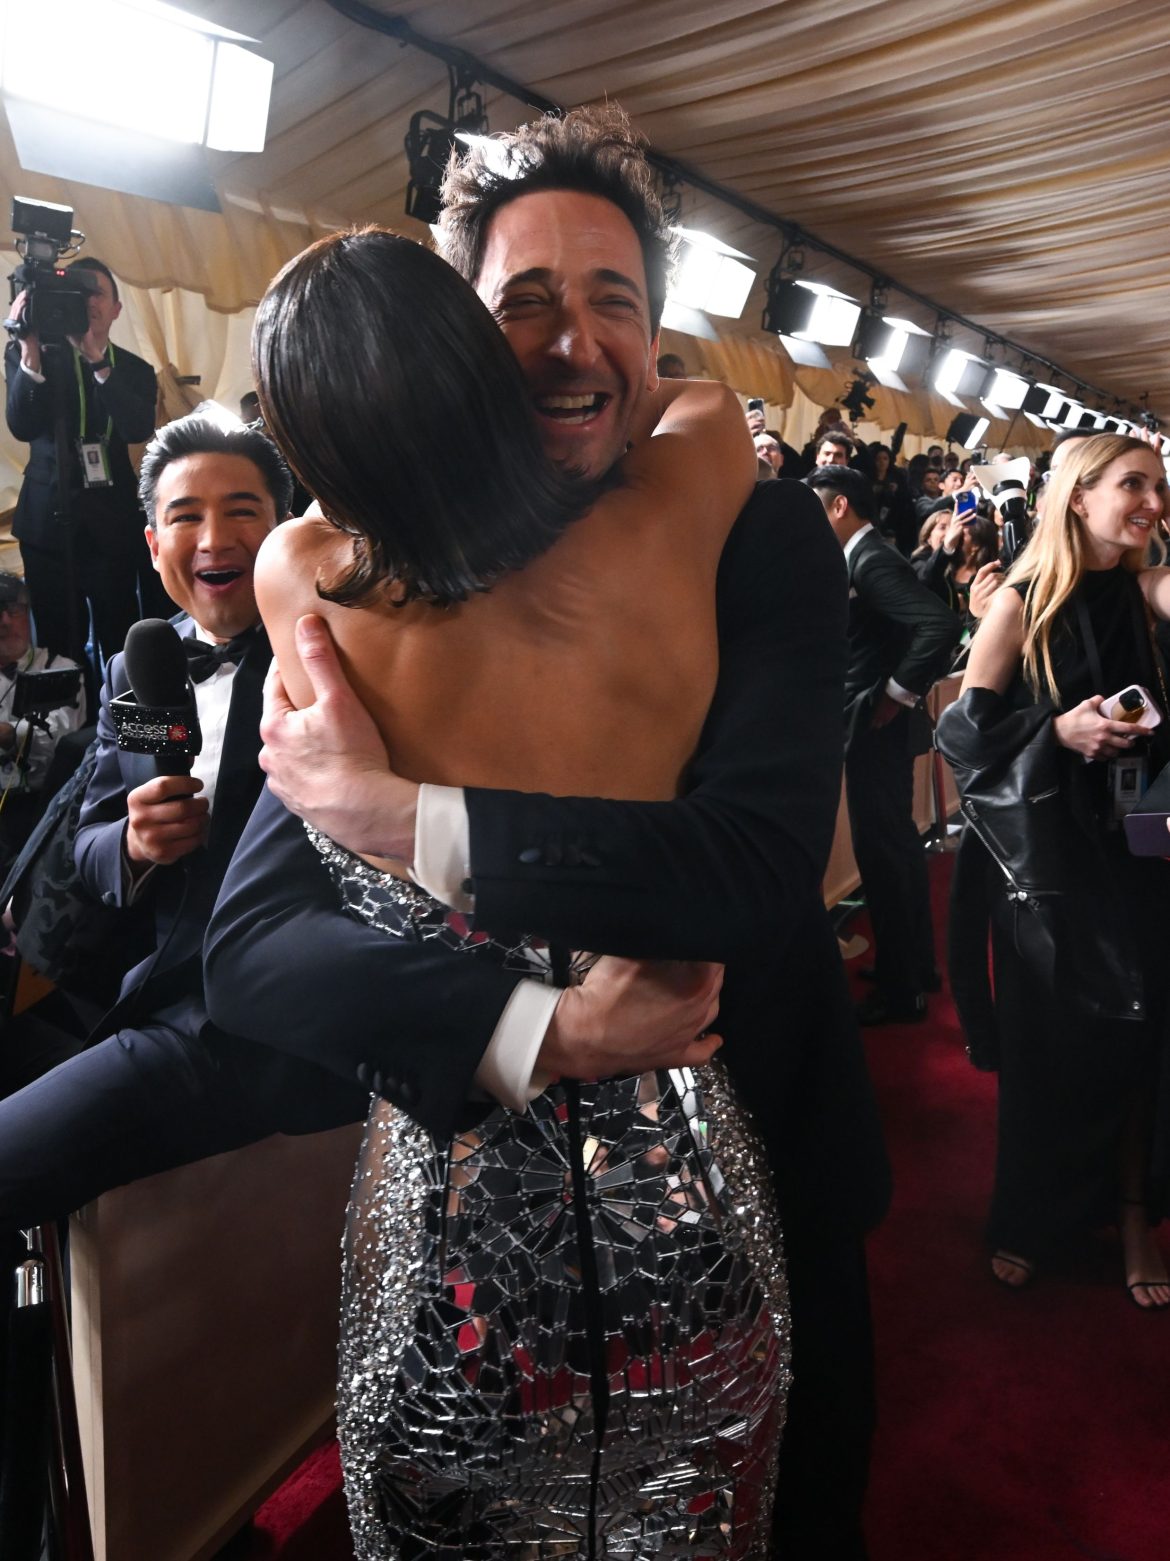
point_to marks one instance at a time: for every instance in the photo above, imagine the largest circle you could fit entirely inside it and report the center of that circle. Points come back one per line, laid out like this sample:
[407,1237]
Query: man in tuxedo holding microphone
[153,841]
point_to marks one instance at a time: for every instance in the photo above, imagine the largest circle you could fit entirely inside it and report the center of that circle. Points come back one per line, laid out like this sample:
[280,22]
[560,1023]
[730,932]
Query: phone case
[1151,716]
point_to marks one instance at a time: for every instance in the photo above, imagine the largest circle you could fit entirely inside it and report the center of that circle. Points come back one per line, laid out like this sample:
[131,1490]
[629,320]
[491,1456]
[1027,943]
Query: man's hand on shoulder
[165,820]
[327,762]
[632,1016]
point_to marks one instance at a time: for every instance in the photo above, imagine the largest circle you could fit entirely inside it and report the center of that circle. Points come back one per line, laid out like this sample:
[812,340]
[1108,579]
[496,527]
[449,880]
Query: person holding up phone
[954,546]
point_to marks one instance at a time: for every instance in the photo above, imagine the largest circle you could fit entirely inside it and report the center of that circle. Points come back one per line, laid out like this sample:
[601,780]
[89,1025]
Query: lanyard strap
[1144,628]
[82,415]
[1089,641]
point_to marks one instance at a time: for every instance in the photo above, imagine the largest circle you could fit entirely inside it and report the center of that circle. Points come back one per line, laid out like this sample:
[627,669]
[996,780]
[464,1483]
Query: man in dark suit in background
[730,872]
[108,396]
[901,638]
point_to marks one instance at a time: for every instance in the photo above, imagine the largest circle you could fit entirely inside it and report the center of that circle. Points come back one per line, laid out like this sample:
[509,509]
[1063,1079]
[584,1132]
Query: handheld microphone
[159,716]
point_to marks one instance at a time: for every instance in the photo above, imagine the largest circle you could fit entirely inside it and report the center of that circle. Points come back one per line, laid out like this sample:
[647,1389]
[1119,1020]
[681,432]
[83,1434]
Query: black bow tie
[204,659]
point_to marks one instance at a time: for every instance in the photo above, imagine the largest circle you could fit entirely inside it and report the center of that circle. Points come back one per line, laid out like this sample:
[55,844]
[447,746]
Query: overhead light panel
[968,430]
[806,353]
[1044,405]
[1044,400]
[692,322]
[959,374]
[1006,390]
[710,275]
[891,347]
[138,66]
[811,311]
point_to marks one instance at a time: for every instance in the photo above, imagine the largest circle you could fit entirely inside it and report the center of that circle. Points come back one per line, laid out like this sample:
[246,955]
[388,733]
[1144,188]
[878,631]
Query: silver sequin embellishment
[510,1289]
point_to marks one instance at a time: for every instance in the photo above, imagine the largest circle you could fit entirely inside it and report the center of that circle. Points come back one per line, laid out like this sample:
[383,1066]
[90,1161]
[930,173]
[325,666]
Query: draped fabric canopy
[1008,160]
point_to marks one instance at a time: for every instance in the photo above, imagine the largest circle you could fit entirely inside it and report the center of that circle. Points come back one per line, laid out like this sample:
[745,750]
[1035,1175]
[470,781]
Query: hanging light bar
[710,275]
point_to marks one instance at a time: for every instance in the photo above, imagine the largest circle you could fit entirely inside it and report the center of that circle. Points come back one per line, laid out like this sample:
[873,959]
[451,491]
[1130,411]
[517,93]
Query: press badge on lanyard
[93,453]
[95,463]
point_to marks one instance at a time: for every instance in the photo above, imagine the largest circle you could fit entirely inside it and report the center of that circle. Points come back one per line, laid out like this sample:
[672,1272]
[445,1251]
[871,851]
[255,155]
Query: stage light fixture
[959,374]
[710,275]
[806,353]
[143,67]
[691,322]
[430,140]
[891,347]
[811,311]
[968,430]
[1044,406]
[1006,390]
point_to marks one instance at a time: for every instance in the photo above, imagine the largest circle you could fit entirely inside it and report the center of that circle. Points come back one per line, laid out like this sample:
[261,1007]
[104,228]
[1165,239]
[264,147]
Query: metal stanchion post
[24,1425]
[68,1504]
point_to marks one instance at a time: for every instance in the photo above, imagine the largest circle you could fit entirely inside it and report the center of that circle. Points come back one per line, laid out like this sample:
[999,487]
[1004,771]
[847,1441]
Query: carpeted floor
[1015,1426]
[1029,1425]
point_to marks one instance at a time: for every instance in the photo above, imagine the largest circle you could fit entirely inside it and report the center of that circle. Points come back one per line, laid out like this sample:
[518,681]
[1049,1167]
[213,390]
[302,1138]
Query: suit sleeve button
[530,856]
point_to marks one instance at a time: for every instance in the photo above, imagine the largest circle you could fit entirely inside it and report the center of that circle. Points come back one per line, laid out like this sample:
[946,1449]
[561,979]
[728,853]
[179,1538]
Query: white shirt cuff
[32,373]
[507,1070]
[902,695]
[442,846]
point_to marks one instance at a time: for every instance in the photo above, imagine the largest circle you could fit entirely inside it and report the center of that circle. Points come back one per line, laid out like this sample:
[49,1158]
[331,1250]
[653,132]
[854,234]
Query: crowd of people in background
[824,590]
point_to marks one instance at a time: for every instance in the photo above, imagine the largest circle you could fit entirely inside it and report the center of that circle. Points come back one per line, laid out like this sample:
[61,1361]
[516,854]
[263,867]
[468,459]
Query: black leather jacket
[1034,859]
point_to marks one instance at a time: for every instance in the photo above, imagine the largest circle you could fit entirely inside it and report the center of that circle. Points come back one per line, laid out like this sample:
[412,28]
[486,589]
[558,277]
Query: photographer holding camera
[106,398]
[29,729]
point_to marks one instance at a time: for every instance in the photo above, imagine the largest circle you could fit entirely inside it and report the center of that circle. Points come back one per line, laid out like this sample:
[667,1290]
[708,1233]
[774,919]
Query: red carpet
[1015,1426]
[1030,1424]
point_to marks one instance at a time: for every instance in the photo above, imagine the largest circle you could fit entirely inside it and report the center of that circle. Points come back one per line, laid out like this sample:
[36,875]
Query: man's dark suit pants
[145,1101]
[824,1459]
[879,790]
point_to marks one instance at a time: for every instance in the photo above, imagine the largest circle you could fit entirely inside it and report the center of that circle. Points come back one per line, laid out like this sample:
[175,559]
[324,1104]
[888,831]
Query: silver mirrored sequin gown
[564,1332]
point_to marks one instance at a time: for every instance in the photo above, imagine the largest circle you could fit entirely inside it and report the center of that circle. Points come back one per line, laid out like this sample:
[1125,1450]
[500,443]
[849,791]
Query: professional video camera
[855,400]
[38,694]
[58,300]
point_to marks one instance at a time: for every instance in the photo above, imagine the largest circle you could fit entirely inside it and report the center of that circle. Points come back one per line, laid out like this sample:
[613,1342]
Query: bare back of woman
[587,672]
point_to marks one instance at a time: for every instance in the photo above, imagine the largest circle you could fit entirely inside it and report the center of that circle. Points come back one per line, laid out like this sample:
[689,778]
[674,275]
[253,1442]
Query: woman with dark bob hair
[1045,754]
[507,624]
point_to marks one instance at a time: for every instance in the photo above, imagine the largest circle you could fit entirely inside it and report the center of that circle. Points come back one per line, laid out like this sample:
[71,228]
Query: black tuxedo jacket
[731,871]
[127,400]
[898,629]
[182,895]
